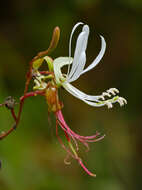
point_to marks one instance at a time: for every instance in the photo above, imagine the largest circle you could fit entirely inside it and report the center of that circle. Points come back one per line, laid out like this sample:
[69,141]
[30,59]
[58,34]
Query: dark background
[32,158]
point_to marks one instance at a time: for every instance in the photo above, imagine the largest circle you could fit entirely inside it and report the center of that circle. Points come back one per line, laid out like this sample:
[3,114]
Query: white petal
[82,96]
[78,50]
[58,63]
[73,30]
[79,69]
[69,88]
[94,104]
[99,57]
[79,94]
[80,64]
[86,30]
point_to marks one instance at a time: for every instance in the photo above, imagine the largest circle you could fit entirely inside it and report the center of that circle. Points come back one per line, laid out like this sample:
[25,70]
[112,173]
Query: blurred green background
[32,158]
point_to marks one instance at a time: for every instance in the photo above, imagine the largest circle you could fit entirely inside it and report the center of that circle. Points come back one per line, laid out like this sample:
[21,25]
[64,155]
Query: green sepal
[37,63]
[49,62]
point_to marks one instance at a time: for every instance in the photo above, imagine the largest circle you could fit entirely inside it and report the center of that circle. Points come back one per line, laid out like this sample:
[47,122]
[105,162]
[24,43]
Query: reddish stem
[29,94]
[29,77]
[46,72]
[13,114]
[17,119]
[5,134]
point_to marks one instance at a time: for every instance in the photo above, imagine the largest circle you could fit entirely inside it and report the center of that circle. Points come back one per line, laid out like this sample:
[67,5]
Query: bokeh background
[32,158]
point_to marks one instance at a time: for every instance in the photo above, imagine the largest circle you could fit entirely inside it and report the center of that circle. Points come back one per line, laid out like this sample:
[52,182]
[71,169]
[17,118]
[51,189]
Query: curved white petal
[79,94]
[79,69]
[73,30]
[78,50]
[86,30]
[99,57]
[69,88]
[82,58]
[58,63]
[82,96]
[94,104]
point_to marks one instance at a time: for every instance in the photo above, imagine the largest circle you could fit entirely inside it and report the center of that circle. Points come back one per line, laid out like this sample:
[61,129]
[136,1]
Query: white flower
[77,65]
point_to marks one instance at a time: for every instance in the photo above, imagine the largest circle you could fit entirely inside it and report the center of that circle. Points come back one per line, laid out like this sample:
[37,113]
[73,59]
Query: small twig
[13,114]
[46,72]
[29,77]
[17,119]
